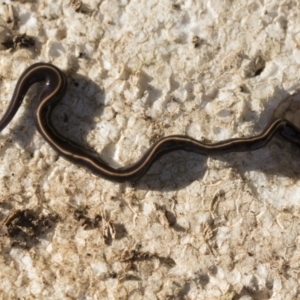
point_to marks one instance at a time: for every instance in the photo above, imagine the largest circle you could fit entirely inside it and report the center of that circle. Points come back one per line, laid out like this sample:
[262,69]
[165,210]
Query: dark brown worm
[55,88]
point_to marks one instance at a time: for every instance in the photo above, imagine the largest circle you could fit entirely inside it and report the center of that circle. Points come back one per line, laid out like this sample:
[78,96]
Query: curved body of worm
[55,88]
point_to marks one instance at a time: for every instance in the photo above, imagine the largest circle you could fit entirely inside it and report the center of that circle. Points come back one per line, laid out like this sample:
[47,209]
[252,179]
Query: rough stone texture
[194,227]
